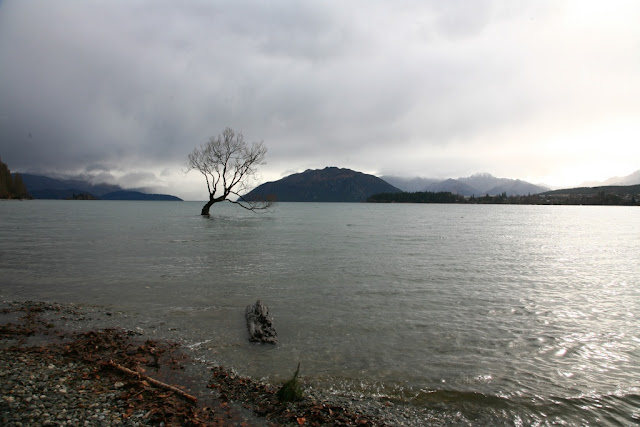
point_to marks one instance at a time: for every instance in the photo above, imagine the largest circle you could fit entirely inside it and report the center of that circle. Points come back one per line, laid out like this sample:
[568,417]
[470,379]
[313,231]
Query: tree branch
[228,164]
[141,377]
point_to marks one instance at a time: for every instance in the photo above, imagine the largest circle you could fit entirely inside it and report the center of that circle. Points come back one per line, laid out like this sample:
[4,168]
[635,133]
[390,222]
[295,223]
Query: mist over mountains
[484,183]
[334,184]
[41,187]
[631,179]
[44,187]
[475,185]
[330,184]
[410,184]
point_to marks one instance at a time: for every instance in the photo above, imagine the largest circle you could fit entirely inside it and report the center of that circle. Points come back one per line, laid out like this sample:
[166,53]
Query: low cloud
[126,90]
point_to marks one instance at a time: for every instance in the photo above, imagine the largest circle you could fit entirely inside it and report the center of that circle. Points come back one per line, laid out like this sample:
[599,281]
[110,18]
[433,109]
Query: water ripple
[501,314]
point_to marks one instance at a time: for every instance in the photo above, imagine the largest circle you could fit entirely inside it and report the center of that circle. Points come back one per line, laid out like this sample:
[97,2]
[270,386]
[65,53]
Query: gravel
[56,371]
[39,390]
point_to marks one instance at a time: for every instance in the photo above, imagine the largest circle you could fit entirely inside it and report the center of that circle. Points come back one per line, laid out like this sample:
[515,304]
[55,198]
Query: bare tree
[229,166]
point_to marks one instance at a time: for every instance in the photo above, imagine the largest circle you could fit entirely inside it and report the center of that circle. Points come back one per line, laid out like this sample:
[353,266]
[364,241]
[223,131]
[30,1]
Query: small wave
[197,344]
[618,408]
[430,397]
[190,310]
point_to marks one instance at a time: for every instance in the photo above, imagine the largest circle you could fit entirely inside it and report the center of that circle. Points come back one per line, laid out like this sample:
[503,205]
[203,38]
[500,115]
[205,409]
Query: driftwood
[159,384]
[260,323]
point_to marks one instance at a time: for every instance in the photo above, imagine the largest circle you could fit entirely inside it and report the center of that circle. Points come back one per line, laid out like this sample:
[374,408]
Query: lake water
[480,314]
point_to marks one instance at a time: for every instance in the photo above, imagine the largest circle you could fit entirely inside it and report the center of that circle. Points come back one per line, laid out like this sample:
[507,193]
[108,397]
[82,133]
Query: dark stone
[260,323]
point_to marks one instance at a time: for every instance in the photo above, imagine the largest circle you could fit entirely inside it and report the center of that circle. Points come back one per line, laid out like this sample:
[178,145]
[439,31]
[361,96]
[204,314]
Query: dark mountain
[330,184]
[44,187]
[136,195]
[69,193]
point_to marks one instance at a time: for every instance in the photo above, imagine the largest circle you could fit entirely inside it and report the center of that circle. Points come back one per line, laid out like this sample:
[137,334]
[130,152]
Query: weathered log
[152,381]
[260,324]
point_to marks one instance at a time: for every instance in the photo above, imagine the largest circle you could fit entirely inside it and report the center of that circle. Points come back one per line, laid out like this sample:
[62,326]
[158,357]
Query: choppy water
[497,314]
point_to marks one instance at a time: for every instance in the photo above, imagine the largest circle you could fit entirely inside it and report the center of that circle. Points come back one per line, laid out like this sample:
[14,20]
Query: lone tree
[229,166]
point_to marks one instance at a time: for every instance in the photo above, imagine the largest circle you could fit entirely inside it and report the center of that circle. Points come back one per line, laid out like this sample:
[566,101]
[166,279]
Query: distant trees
[627,196]
[417,197]
[5,181]
[11,187]
[229,166]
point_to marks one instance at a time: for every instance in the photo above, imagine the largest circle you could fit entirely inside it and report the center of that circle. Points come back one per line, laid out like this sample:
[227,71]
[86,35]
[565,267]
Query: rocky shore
[57,367]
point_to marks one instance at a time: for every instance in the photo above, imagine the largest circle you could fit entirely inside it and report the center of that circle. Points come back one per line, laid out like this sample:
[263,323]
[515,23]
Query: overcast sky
[122,91]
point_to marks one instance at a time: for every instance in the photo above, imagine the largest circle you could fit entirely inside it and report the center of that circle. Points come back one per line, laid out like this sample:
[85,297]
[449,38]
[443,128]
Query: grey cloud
[125,89]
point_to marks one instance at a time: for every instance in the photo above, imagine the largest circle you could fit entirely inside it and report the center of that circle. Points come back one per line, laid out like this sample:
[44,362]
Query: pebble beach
[39,390]
[59,367]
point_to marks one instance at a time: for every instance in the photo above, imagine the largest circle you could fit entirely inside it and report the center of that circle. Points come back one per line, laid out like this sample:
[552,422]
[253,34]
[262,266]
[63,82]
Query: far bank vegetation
[609,196]
[11,187]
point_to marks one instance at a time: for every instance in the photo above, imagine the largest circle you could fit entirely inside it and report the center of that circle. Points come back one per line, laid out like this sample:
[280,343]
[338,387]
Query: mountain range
[330,184]
[479,184]
[44,187]
[631,179]
[334,184]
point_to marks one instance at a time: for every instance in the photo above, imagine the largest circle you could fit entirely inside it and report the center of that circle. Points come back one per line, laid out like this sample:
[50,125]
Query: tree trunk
[205,208]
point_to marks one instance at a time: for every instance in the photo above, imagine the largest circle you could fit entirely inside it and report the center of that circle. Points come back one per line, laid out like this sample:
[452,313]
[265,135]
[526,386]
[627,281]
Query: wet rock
[260,323]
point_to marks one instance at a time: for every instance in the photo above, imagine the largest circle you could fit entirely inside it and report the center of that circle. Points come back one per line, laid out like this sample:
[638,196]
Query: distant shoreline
[595,196]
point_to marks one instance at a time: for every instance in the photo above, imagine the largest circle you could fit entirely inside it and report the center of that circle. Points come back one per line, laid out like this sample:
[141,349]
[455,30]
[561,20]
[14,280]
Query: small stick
[150,380]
